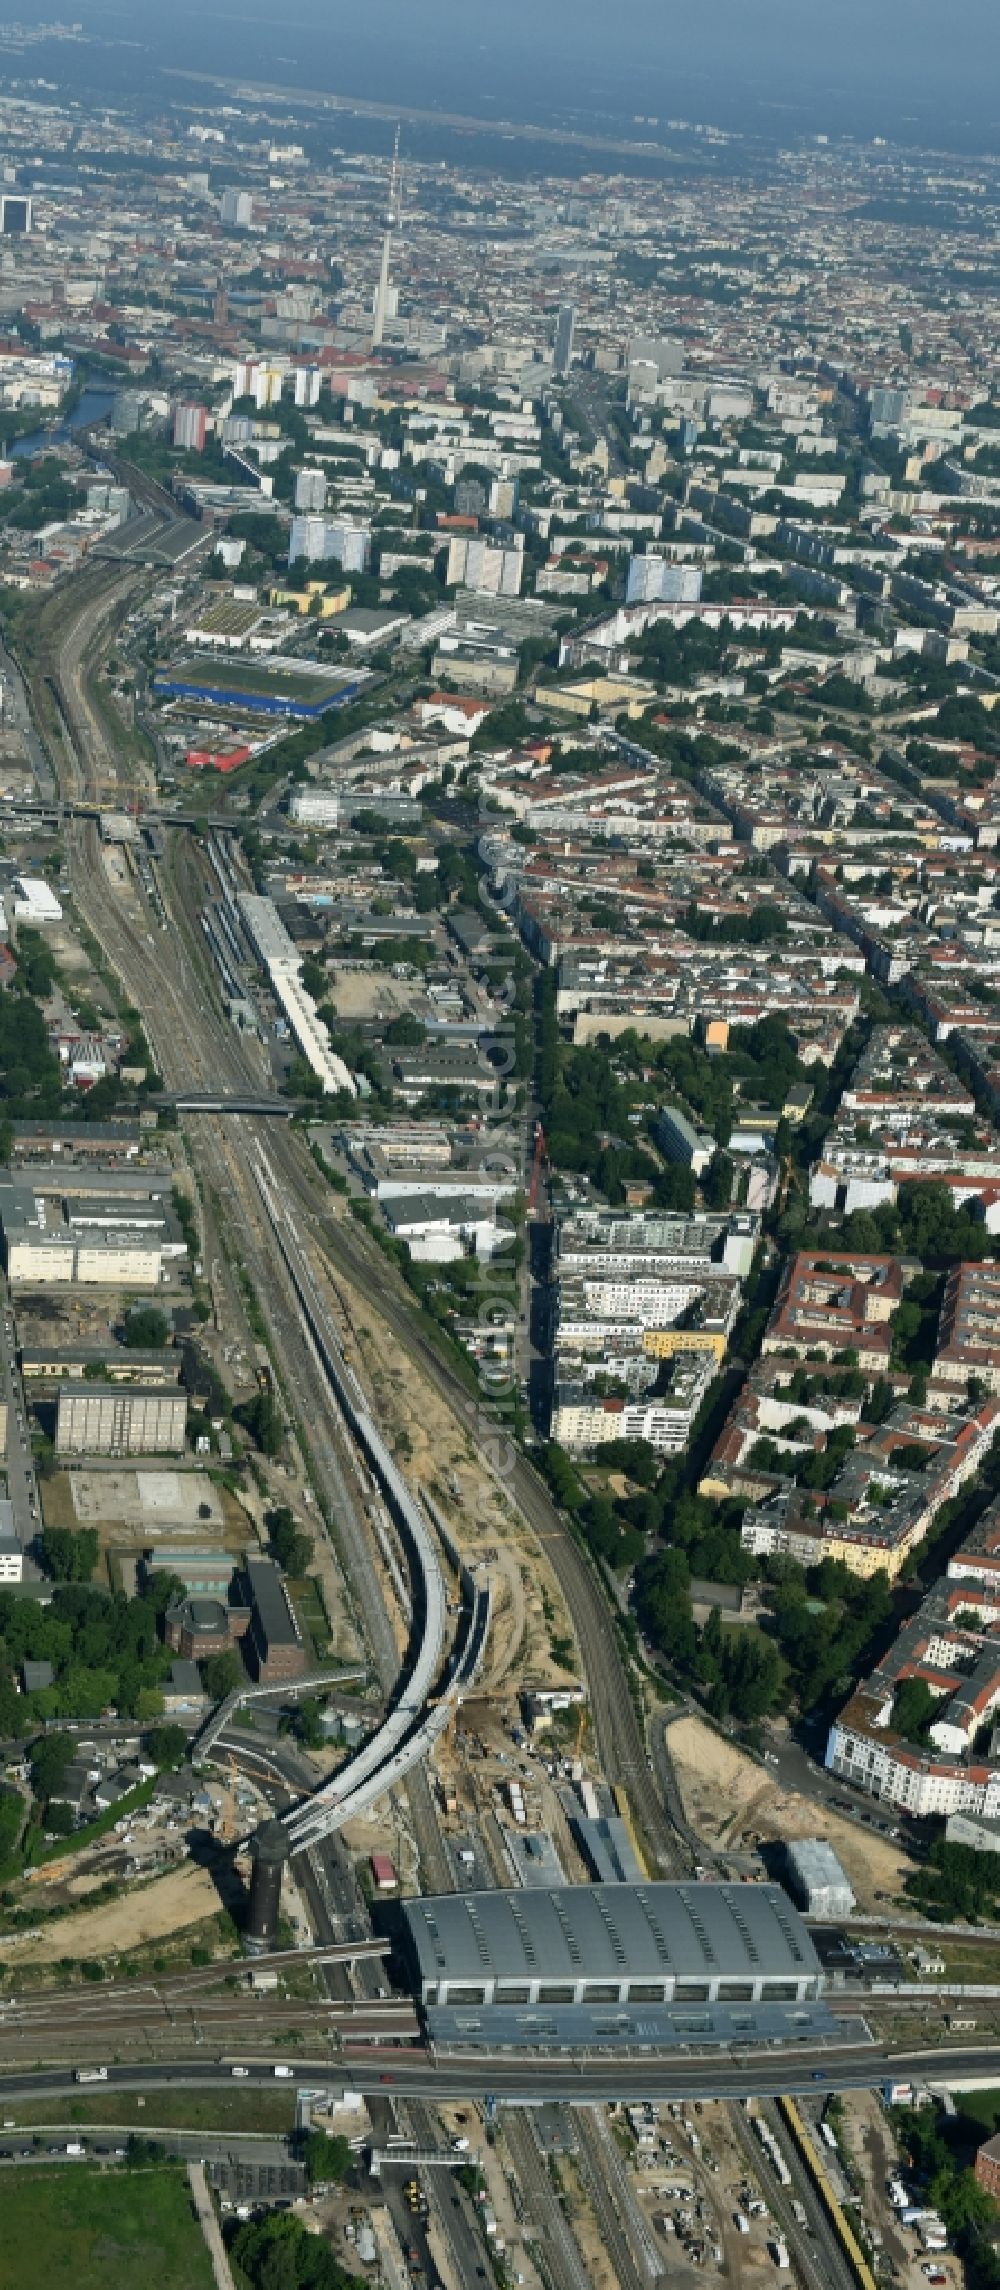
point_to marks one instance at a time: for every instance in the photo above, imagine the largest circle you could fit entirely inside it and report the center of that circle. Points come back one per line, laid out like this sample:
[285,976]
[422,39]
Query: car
[387,2079]
[819,2075]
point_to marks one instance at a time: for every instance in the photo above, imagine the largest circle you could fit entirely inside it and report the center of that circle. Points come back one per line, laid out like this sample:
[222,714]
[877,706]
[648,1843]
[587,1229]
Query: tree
[48,1759]
[68,1554]
[277,2253]
[292,1549]
[221,1674]
[913,1708]
[261,1417]
[663,1604]
[314,978]
[60,1819]
[717,1182]
[163,1590]
[167,1745]
[148,1705]
[753,1673]
[306,1723]
[405,1032]
[325,2158]
[146,1329]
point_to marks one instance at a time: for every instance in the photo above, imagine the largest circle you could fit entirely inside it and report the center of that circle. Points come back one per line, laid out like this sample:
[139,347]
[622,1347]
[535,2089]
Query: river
[94,405]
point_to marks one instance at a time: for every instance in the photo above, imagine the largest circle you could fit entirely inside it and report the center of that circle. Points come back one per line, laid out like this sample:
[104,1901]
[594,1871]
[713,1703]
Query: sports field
[77,2228]
[286,683]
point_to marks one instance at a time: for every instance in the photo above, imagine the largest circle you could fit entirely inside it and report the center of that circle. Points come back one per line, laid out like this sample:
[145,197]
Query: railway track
[619,1732]
[195,1048]
[558,2254]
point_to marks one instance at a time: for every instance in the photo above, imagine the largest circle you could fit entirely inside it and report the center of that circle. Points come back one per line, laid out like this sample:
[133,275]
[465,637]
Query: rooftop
[610,1931]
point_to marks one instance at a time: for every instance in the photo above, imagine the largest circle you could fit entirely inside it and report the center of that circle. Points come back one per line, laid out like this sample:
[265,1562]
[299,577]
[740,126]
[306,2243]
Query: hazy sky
[904,67]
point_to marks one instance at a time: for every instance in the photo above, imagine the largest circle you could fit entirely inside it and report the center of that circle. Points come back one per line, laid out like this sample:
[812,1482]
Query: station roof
[612,1932]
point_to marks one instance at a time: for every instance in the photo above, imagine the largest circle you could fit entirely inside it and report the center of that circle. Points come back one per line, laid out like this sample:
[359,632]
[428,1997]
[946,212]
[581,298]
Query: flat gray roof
[612,1932]
[632,2028]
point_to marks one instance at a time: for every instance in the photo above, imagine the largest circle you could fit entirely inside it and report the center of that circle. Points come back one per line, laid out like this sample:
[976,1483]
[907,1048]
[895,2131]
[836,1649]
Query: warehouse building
[52,1239]
[815,1878]
[612,1964]
[108,1419]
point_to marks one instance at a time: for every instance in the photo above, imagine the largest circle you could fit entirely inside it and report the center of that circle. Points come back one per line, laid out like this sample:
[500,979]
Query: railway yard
[705,2168]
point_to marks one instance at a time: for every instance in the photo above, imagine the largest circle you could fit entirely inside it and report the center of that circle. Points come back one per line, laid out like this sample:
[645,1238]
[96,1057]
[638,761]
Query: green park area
[247,2109]
[90,2229]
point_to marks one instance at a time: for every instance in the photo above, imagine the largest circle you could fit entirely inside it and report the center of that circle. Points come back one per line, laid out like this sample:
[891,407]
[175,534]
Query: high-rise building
[190,427]
[888,408]
[309,539]
[474,562]
[654,580]
[322,538]
[307,385]
[350,545]
[262,383]
[565,330]
[470,497]
[126,412]
[310,489]
[15,215]
[236,209]
[511,571]
[505,495]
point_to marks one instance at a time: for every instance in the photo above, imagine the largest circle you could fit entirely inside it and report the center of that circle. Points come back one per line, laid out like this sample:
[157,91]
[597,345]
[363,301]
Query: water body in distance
[771,68]
[94,405]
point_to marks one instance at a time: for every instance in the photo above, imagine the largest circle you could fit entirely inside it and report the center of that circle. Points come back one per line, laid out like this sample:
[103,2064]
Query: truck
[284,2071]
[75,2147]
[90,2075]
[779,2253]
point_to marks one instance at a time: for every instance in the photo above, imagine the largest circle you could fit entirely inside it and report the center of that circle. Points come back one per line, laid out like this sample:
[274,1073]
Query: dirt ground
[732,1802]
[438,1457]
[376,994]
[158,1501]
[868,2136]
[187,1896]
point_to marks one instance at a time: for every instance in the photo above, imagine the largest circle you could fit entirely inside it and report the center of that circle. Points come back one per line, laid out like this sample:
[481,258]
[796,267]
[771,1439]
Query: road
[209,2225]
[529,2081]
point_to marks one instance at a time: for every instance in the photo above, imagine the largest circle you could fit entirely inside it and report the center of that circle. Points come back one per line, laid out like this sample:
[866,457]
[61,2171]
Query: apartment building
[837,1302]
[583,1421]
[952,1644]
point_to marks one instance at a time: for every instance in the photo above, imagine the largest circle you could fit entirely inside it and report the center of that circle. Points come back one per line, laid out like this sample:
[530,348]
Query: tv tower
[391,224]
